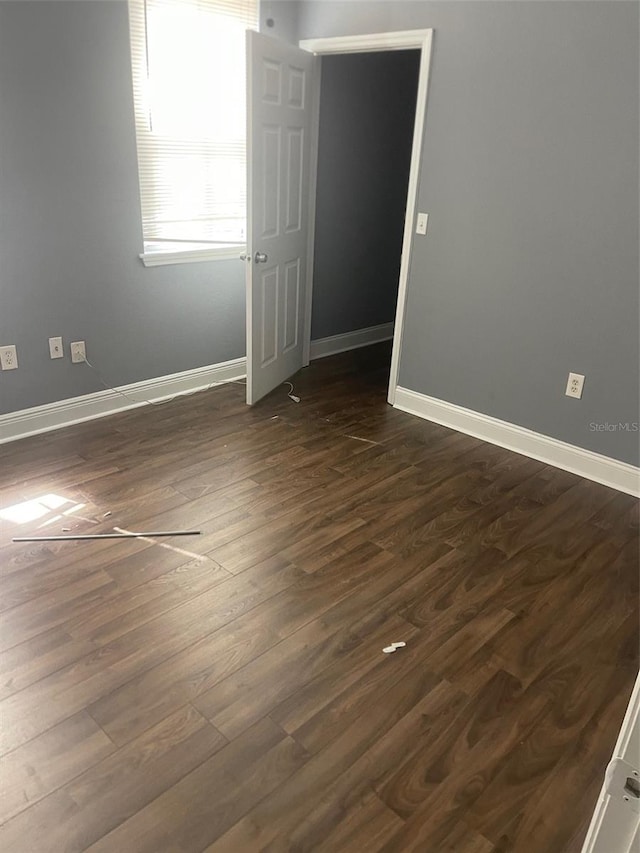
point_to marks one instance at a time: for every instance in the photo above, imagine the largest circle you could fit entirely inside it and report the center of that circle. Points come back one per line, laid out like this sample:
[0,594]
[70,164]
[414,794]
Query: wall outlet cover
[55,348]
[575,383]
[8,358]
[78,352]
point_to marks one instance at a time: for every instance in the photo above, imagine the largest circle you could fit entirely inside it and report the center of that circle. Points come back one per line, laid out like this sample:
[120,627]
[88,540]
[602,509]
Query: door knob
[261,258]
[244,257]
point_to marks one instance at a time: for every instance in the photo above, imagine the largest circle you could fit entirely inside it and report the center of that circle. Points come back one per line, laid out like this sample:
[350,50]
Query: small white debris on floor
[389,650]
[107,514]
[366,440]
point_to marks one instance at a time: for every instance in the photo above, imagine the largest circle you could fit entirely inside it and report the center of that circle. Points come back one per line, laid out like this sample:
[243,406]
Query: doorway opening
[408,41]
[283,117]
[367,110]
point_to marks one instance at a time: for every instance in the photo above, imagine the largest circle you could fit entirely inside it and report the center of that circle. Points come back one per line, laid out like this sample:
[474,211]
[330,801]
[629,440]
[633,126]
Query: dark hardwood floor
[228,692]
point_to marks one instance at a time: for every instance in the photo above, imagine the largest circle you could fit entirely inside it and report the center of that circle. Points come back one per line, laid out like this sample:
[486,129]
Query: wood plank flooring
[228,692]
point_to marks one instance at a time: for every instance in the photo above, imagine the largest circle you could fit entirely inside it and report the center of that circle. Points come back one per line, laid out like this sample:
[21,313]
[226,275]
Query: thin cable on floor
[128,396]
[291,395]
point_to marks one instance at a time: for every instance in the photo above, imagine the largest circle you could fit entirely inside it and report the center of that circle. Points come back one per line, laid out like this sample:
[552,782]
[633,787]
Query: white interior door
[278,147]
[615,826]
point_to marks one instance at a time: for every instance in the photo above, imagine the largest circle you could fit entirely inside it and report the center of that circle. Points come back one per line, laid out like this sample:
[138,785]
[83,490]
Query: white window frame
[175,255]
[191,256]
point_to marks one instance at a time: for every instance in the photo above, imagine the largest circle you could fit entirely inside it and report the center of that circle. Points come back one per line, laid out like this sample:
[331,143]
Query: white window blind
[188,60]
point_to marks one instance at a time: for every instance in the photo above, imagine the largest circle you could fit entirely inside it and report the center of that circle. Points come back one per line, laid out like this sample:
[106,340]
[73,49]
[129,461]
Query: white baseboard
[64,413]
[586,463]
[351,340]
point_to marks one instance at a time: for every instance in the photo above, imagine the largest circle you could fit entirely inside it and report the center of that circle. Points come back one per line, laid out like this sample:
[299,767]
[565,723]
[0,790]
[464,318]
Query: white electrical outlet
[574,385]
[8,358]
[421,224]
[78,352]
[55,348]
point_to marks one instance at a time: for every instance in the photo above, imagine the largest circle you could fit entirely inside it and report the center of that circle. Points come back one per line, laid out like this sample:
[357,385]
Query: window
[188,60]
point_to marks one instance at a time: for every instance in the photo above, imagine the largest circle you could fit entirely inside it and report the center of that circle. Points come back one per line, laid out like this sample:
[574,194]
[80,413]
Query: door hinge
[623,783]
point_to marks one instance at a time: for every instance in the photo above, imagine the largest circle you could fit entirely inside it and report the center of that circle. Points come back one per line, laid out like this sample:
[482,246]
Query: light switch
[421,225]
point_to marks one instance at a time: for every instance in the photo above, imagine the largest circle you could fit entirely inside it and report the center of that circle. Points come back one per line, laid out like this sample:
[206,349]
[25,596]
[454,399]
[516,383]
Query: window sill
[191,256]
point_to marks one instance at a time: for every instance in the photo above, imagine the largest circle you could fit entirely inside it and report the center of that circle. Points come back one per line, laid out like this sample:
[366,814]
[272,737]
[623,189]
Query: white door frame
[403,40]
[615,825]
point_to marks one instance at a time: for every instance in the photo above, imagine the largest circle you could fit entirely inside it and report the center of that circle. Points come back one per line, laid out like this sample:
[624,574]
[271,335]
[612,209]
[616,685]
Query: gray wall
[283,15]
[529,173]
[367,112]
[70,231]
